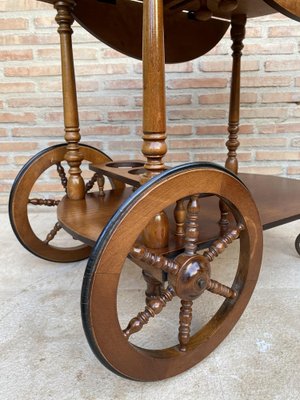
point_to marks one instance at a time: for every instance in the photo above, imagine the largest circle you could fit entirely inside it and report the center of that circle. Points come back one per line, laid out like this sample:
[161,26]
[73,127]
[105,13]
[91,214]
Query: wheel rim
[18,204]
[99,305]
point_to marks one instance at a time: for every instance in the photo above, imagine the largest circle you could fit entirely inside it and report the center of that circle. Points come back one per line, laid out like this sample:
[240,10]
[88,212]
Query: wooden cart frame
[170,222]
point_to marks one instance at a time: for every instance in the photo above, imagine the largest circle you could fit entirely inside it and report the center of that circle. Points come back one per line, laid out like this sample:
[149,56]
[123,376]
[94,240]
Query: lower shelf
[277,200]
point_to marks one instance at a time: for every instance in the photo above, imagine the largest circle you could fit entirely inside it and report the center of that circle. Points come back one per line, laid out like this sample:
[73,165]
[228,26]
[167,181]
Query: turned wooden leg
[156,234]
[238,24]
[64,18]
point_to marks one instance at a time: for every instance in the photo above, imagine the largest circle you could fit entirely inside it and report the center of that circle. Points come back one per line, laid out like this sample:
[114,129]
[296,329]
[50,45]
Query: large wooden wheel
[189,275]
[23,200]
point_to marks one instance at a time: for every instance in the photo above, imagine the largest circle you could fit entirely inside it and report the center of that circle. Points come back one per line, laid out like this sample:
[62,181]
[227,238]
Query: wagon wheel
[189,274]
[297,244]
[22,200]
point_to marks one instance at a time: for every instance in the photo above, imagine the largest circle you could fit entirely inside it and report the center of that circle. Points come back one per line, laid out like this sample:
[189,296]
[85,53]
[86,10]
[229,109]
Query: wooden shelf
[85,219]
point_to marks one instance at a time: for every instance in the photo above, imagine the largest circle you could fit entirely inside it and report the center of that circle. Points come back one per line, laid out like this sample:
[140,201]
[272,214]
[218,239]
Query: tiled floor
[44,353]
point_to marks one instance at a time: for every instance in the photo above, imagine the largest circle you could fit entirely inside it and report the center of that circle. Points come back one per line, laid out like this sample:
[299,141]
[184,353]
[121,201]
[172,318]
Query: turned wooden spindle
[185,320]
[101,183]
[63,177]
[192,226]
[90,184]
[221,244]
[154,287]
[153,308]
[179,216]
[156,234]
[44,202]
[51,235]
[154,260]
[238,23]
[64,18]
[220,289]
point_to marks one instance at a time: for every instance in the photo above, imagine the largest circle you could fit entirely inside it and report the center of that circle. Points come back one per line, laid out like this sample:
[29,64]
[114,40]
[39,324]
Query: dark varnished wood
[75,185]
[20,200]
[100,287]
[267,192]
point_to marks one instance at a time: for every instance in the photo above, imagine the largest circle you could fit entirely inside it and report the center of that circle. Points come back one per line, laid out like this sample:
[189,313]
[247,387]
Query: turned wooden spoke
[153,308]
[90,184]
[221,244]
[63,177]
[44,202]
[192,226]
[154,287]
[179,216]
[141,253]
[220,289]
[51,235]
[185,320]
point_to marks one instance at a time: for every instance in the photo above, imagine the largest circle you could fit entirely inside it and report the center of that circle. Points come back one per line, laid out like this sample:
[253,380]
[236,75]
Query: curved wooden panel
[290,8]
[119,26]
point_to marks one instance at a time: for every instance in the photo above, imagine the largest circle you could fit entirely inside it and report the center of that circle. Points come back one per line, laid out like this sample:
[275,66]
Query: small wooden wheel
[22,200]
[189,275]
[297,244]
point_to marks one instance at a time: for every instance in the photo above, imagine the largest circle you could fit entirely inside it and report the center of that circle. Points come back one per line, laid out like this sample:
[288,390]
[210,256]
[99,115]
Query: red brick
[226,66]
[264,112]
[101,69]
[269,48]
[293,170]
[45,22]
[281,97]
[8,174]
[123,84]
[263,142]
[197,83]
[103,101]
[223,98]
[33,71]
[17,146]
[20,117]
[197,114]
[220,157]
[282,65]
[180,130]
[3,132]
[38,132]
[105,130]
[124,115]
[13,23]
[177,157]
[17,87]
[111,53]
[79,54]
[124,145]
[265,81]
[35,102]
[56,86]
[21,5]
[170,100]
[284,31]
[278,155]
[3,160]
[29,39]
[195,143]
[264,170]
[16,55]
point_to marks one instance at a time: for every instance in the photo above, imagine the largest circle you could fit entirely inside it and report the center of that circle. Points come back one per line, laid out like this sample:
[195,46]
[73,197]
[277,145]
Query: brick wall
[109,92]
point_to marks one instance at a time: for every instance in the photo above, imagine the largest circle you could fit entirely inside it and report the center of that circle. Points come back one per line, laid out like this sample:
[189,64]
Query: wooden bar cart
[172,223]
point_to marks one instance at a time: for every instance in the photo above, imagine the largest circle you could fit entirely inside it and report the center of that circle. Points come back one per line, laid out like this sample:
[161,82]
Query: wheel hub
[193,276]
